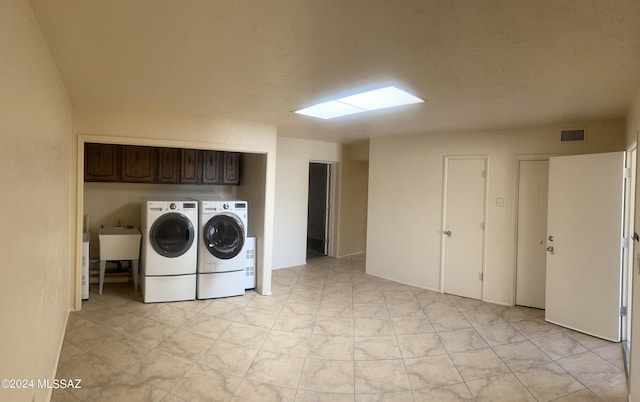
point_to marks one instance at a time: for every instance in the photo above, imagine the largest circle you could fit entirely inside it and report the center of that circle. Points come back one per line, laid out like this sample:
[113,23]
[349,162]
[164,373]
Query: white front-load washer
[221,249]
[169,249]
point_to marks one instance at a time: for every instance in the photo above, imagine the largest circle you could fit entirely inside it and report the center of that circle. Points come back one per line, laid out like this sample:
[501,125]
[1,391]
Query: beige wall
[35,127]
[253,189]
[405,198]
[163,129]
[633,135]
[292,190]
[354,181]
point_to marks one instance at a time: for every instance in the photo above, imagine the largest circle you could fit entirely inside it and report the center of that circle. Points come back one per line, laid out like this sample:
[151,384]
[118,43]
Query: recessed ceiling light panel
[382,98]
[330,110]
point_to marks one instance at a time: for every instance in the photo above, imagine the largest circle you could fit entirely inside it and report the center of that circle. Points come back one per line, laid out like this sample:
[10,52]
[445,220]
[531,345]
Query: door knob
[447,232]
[550,249]
[551,238]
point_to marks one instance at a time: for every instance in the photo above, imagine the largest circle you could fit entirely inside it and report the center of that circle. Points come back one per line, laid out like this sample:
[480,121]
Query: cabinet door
[211,167]
[231,168]
[190,166]
[139,164]
[168,165]
[101,162]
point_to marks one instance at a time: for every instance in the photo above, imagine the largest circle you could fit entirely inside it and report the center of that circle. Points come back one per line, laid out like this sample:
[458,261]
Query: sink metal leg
[103,265]
[134,268]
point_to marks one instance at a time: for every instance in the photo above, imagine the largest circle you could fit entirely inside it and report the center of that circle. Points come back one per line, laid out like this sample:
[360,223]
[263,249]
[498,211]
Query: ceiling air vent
[572,135]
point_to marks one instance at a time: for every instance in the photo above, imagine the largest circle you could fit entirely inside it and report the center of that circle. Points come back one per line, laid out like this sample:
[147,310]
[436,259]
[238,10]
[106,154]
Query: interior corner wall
[354,181]
[292,190]
[35,122]
[253,191]
[404,224]
[633,133]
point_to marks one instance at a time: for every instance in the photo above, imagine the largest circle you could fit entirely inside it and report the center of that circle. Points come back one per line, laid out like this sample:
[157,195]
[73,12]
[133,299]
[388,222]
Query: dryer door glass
[224,236]
[172,235]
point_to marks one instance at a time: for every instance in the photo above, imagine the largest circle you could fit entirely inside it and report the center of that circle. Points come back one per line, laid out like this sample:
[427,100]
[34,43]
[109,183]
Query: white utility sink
[119,244]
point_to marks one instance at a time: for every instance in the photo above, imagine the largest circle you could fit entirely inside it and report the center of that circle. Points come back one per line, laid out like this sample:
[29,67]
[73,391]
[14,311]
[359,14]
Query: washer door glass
[224,236]
[172,235]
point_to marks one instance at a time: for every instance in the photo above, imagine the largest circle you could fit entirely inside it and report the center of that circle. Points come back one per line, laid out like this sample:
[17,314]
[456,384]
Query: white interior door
[584,233]
[463,228]
[533,184]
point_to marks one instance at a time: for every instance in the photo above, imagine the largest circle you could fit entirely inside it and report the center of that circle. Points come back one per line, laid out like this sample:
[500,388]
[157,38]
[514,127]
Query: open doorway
[318,210]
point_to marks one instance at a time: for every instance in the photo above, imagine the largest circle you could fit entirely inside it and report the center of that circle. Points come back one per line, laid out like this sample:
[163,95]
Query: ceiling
[479,64]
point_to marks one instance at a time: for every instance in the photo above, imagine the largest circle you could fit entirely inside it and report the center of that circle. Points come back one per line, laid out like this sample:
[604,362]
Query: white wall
[197,132]
[405,198]
[35,127]
[292,189]
[633,135]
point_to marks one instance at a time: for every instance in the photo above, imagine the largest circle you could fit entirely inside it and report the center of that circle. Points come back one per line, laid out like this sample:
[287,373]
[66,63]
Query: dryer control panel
[172,206]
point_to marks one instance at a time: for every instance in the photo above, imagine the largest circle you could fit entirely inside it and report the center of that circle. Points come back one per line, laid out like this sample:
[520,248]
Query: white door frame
[445,170]
[628,257]
[331,229]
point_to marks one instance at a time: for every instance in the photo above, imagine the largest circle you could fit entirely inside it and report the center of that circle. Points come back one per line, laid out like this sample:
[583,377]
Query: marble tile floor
[330,332]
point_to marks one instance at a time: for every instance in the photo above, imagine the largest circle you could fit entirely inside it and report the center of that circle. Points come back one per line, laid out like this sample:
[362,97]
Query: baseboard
[404,283]
[55,367]
[352,254]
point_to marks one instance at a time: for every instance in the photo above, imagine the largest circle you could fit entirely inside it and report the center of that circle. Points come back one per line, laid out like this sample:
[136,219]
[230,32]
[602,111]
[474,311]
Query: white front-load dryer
[221,248]
[169,249]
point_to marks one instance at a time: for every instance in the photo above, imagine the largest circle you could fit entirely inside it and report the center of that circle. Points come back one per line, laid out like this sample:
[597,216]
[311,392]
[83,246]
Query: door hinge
[483,174]
[481,276]
[482,225]
[625,242]
[626,173]
[623,311]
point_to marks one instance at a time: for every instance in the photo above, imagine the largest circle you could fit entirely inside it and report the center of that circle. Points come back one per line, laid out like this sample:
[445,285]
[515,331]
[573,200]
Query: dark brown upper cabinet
[220,167]
[231,168]
[101,162]
[139,164]
[190,166]
[168,165]
[211,167]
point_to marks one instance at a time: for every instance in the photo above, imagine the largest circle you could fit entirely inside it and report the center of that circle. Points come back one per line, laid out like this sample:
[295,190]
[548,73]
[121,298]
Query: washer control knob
[173,205]
[225,206]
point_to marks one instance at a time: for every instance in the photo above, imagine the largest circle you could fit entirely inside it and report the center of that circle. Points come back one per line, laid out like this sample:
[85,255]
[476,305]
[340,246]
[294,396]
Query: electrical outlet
[500,201]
